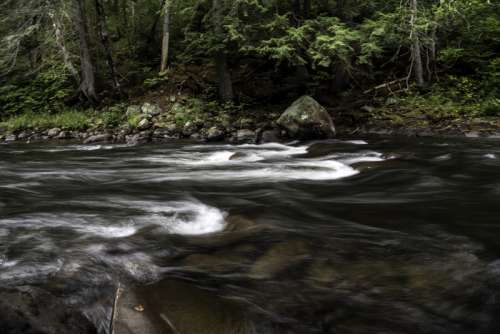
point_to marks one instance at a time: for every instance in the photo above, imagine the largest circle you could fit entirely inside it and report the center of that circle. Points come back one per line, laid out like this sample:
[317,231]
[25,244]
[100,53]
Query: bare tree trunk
[223,75]
[416,47]
[104,36]
[87,84]
[62,46]
[166,36]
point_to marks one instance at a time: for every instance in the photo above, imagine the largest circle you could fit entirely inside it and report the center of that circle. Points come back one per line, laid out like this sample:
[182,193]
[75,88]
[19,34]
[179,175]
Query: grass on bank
[70,120]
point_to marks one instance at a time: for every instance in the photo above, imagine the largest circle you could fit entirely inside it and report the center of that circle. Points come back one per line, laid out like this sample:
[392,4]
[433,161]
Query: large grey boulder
[307,119]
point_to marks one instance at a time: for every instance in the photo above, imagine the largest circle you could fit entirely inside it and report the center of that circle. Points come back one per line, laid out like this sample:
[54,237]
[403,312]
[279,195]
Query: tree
[166,36]
[104,37]
[416,55]
[223,75]
[87,84]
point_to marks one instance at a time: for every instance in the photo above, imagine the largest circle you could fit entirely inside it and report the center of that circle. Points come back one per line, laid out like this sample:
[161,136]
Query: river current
[379,235]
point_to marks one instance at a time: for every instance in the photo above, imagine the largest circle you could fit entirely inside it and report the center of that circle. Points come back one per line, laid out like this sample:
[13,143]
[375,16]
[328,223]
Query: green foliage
[112,117]
[45,94]
[133,120]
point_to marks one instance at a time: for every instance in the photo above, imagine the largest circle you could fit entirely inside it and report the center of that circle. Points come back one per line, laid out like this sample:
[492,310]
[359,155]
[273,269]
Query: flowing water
[341,236]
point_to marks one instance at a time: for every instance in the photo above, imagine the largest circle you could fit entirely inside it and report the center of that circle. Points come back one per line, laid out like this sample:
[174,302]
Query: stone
[162,134]
[278,258]
[189,129]
[307,119]
[245,136]
[64,135]
[144,124]
[171,128]
[54,132]
[31,310]
[150,109]
[139,138]
[102,138]
[195,136]
[173,306]
[10,138]
[472,134]
[270,136]
[215,134]
[23,135]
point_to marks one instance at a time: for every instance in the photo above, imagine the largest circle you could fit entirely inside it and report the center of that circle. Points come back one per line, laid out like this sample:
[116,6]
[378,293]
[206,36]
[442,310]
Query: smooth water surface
[341,236]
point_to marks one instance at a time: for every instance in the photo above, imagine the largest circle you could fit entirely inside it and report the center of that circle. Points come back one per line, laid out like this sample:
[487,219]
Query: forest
[76,63]
[249,166]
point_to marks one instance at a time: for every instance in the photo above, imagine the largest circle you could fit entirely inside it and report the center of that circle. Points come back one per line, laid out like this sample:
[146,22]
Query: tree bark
[104,36]
[416,47]
[166,36]
[87,84]
[223,74]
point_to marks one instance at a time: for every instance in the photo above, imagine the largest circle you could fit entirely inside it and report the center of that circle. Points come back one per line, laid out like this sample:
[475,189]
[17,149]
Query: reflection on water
[355,236]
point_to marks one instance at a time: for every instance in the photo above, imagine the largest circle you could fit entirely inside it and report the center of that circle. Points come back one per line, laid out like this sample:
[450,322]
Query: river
[372,235]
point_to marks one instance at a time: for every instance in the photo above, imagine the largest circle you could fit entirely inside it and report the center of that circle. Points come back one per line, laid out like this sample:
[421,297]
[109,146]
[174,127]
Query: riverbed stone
[215,134]
[245,136]
[54,132]
[144,124]
[23,135]
[139,138]
[270,136]
[64,135]
[100,138]
[189,129]
[278,258]
[172,306]
[10,138]
[31,310]
[150,109]
[307,119]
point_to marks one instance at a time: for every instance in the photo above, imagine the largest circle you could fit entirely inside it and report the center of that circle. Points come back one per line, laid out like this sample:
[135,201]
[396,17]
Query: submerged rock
[31,310]
[278,258]
[307,119]
[172,306]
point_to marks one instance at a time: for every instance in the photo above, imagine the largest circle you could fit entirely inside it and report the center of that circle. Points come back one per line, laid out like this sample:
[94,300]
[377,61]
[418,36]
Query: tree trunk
[416,48]
[307,9]
[87,84]
[62,46]
[104,36]
[166,36]
[223,74]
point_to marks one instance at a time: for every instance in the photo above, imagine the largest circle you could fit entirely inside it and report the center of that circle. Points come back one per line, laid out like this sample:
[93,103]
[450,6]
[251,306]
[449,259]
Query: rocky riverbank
[183,118]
